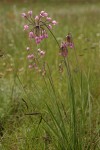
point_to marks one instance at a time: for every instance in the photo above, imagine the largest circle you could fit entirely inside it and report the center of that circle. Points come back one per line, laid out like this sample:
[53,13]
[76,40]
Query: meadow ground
[46,113]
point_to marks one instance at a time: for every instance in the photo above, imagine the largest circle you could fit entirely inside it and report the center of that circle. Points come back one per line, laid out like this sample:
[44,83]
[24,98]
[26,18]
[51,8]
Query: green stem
[52,34]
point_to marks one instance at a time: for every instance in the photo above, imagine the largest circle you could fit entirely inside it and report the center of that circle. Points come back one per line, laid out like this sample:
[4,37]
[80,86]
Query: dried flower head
[65,45]
[63,49]
[69,40]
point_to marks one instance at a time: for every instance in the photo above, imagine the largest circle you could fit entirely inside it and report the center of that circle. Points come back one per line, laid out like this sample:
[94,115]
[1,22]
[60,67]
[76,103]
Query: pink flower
[26,27]
[63,45]
[37,40]
[50,26]
[71,45]
[31,35]
[54,22]
[41,52]
[48,19]
[45,35]
[28,48]
[41,37]
[30,12]
[43,14]
[24,15]
[30,56]
[36,17]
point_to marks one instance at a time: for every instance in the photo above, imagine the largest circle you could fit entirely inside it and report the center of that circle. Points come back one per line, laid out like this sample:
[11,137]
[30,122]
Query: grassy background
[50,1]
[83,21]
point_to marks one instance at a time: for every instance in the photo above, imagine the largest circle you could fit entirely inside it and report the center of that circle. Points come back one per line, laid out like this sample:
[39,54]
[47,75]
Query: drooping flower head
[69,40]
[38,25]
[63,49]
[67,43]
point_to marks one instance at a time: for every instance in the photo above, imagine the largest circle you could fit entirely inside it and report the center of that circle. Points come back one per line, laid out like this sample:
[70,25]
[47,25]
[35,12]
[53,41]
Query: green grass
[69,108]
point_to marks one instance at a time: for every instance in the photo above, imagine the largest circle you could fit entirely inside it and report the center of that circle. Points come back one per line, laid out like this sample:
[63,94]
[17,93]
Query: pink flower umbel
[38,25]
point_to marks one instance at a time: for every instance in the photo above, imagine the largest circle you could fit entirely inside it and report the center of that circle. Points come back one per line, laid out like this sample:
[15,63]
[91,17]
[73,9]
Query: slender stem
[29,20]
[71,86]
[32,20]
[67,66]
[51,33]
[31,24]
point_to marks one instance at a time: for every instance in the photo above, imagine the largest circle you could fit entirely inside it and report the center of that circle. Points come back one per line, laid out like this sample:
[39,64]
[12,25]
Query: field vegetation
[59,110]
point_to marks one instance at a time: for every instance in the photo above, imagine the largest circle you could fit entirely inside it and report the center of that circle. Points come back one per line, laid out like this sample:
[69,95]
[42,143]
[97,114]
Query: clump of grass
[71,133]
